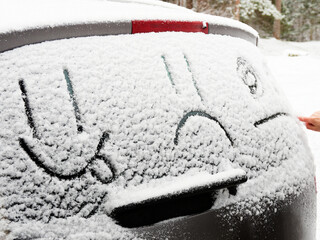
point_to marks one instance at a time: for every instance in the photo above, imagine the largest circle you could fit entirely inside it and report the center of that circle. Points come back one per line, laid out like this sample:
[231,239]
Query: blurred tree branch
[286,19]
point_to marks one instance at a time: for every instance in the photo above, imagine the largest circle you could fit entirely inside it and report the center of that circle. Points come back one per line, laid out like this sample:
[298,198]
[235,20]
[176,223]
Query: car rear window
[85,117]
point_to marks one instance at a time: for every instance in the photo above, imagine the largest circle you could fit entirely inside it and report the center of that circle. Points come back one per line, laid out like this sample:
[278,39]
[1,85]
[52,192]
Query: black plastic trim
[291,218]
[186,202]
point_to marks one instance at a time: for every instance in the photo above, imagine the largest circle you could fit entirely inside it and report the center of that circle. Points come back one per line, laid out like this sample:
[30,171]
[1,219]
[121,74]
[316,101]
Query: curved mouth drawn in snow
[40,151]
[200,114]
[29,145]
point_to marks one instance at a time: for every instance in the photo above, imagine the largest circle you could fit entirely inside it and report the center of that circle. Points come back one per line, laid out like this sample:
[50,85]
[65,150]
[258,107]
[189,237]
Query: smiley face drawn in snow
[93,164]
[123,124]
[99,166]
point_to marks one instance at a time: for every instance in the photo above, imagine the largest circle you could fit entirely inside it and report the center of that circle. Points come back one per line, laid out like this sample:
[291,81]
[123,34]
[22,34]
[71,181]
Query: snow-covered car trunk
[180,134]
[93,124]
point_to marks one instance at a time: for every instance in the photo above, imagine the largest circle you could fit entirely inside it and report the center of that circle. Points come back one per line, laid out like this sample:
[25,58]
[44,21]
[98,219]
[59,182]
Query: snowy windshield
[82,118]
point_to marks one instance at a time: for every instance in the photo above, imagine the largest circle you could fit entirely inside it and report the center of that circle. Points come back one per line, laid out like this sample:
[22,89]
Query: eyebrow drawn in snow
[191,113]
[27,107]
[193,79]
[264,120]
[54,170]
[169,73]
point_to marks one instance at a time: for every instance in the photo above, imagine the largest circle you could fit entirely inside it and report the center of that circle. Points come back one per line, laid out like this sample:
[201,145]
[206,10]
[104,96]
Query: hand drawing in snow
[86,121]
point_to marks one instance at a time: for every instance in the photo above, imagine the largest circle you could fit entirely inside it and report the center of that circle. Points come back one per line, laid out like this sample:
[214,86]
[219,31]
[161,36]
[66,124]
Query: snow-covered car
[144,120]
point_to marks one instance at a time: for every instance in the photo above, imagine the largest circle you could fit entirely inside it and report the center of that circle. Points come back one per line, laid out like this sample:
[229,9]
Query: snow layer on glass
[150,109]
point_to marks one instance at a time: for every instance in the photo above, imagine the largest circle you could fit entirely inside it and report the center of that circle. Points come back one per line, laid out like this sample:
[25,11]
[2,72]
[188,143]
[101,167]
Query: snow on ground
[296,68]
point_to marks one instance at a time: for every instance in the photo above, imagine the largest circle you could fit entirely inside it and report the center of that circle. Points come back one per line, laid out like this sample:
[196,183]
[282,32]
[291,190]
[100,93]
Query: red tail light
[168,26]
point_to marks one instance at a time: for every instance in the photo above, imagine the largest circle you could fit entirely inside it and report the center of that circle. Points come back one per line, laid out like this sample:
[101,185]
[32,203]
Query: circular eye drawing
[249,76]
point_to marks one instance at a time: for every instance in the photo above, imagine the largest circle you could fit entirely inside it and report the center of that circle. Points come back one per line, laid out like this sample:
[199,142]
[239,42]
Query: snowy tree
[250,8]
[260,14]
[224,8]
[237,10]
[277,23]
[302,21]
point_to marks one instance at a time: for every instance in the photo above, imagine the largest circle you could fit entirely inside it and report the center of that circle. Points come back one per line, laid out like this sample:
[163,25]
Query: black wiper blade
[183,196]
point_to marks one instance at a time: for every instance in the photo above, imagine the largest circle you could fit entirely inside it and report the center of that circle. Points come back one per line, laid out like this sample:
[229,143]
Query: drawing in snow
[86,129]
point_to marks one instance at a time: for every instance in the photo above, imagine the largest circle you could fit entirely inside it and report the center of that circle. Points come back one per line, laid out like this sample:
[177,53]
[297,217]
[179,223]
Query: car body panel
[97,122]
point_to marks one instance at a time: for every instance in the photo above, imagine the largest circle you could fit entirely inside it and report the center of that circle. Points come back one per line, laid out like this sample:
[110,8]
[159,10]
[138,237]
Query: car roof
[25,22]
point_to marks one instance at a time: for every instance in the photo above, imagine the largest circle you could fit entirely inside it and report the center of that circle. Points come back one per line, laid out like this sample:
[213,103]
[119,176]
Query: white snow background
[296,68]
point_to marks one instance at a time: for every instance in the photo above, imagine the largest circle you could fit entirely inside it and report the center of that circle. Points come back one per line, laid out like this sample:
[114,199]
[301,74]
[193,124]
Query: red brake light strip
[145,26]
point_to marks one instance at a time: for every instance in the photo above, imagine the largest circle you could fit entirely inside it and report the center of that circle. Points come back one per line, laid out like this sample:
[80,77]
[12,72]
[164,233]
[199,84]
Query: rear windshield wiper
[182,196]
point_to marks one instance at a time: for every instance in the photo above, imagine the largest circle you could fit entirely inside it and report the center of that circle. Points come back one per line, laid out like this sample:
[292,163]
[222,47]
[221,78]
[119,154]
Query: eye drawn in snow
[189,69]
[62,170]
[191,113]
[169,73]
[249,76]
[193,79]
